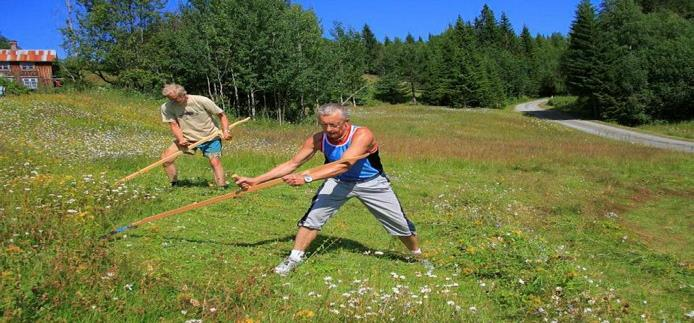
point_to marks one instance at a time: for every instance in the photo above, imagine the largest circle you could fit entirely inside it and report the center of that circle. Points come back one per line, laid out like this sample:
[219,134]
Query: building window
[27,66]
[4,66]
[31,82]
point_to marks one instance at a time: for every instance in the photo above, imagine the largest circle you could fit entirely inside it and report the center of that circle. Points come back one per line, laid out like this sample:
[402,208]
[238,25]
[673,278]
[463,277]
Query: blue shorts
[212,148]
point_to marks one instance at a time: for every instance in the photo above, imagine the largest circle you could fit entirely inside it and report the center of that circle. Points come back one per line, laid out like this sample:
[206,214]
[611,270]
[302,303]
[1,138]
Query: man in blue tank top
[361,178]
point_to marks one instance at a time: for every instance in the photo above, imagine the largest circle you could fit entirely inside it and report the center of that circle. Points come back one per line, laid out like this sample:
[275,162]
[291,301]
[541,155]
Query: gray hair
[331,108]
[173,89]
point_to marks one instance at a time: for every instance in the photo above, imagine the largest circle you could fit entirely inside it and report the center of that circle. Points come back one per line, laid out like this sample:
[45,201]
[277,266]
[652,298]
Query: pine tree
[4,42]
[622,94]
[508,38]
[486,27]
[374,51]
[580,61]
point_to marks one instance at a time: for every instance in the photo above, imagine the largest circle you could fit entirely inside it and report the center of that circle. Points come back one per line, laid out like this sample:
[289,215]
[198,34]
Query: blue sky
[35,23]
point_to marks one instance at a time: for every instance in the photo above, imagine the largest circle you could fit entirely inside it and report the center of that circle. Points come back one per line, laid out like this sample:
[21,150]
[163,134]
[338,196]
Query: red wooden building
[32,68]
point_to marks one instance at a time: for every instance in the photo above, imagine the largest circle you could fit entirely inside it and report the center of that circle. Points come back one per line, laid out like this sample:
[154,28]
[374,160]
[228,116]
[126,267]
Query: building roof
[27,55]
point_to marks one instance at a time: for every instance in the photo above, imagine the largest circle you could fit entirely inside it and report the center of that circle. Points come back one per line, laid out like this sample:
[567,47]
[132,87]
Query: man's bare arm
[225,125]
[308,149]
[362,142]
[178,134]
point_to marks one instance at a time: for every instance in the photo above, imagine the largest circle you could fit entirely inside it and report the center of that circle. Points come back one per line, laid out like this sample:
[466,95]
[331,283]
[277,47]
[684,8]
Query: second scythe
[224,197]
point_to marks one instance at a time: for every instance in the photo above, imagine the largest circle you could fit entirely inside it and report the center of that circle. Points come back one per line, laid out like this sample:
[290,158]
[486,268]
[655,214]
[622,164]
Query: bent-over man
[190,119]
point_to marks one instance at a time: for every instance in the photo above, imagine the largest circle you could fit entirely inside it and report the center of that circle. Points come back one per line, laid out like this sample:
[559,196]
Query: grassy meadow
[524,220]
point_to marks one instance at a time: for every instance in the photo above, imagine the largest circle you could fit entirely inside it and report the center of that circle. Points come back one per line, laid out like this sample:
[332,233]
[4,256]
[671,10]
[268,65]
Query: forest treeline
[626,60]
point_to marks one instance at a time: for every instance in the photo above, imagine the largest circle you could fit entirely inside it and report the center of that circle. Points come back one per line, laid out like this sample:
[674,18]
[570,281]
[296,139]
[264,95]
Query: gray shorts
[376,194]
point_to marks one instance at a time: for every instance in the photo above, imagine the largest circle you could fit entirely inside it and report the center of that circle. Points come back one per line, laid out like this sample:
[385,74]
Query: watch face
[308,179]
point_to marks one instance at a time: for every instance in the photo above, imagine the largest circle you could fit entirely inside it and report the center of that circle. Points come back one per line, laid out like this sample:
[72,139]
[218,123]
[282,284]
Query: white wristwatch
[308,178]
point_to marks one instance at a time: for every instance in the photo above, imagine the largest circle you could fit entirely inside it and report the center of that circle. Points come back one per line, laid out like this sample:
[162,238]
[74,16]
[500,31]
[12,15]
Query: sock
[417,252]
[296,254]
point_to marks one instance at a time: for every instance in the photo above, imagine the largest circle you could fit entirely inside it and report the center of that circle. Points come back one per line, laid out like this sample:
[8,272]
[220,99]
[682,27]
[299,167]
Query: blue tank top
[363,169]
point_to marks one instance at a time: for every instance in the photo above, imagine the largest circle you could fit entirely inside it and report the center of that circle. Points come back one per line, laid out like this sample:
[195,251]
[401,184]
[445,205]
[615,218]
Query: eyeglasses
[332,125]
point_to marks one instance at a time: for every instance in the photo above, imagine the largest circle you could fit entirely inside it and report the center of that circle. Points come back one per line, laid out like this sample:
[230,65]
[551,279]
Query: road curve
[532,108]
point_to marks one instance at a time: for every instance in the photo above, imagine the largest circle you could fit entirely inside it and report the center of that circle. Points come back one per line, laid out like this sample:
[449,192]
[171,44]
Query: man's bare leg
[304,238]
[169,166]
[410,242]
[218,170]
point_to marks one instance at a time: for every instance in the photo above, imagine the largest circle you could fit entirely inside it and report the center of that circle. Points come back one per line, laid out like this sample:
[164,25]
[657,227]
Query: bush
[12,88]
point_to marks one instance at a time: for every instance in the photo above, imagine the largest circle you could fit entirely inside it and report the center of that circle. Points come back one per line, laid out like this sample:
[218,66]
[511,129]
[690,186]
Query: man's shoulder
[317,137]
[362,131]
[199,98]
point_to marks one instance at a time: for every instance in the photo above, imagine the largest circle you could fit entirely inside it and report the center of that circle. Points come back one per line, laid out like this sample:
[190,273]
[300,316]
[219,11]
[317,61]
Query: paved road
[532,108]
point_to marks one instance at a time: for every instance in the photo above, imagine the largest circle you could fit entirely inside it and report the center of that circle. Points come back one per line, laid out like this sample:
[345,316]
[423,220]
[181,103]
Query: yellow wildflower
[305,314]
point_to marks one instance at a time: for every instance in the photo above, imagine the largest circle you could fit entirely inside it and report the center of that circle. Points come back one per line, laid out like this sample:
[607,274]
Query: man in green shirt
[190,119]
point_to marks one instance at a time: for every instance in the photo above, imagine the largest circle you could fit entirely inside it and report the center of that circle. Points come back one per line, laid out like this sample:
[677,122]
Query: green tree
[684,8]
[4,42]
[507,36]
[374,51]
[622,94]
[110,37]
[548,78]
[580,62]
[668,50]
[486,28]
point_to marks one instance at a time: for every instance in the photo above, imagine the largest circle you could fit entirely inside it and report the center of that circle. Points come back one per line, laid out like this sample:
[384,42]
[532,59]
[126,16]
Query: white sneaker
[287,265]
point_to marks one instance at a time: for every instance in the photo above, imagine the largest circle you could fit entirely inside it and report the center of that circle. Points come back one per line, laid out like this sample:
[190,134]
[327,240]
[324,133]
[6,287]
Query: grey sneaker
[287,265]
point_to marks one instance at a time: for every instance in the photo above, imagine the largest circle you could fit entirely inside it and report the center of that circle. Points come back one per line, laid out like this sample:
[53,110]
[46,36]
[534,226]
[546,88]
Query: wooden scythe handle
[227,196]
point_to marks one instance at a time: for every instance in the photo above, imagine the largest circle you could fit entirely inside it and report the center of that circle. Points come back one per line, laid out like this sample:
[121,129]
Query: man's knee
[215,161]
[165,154]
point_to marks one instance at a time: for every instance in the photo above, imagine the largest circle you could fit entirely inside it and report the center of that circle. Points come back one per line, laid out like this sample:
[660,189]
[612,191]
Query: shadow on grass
[321,245]
[196,182]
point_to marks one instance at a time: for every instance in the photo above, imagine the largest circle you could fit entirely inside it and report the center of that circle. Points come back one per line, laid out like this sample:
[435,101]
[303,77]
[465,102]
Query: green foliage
[389,89]
[486,64]
[4,42]
[374,51]
[684,8]
[112,34]
[12,88]
[630,66]
[580,60]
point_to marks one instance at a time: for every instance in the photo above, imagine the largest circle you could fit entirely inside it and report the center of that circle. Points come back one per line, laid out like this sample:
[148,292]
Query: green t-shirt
[195,117]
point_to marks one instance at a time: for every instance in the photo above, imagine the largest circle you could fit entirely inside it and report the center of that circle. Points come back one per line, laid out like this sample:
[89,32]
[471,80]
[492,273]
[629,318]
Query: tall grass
[525,220]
